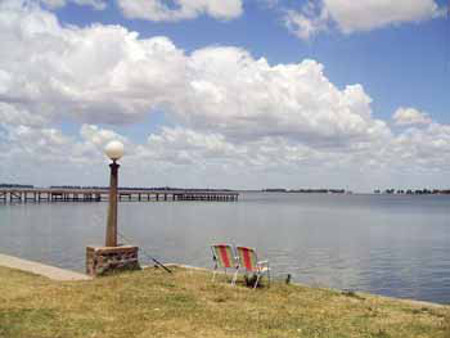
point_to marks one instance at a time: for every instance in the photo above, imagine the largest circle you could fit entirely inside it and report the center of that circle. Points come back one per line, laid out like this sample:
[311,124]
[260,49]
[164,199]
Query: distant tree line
[392,191]
[9,185]
[306,191]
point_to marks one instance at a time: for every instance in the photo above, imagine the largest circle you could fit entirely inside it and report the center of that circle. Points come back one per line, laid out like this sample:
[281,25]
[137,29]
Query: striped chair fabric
[224,257]
[248,260]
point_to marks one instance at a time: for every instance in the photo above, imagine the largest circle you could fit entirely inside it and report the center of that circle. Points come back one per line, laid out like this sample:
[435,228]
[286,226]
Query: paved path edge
[48,271]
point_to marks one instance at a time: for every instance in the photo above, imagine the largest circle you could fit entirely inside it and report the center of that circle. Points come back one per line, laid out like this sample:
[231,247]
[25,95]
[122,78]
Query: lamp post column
[111,257]
[111,228]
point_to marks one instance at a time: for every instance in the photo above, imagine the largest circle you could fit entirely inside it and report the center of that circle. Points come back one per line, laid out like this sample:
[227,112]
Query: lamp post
[111,257]
[114,150]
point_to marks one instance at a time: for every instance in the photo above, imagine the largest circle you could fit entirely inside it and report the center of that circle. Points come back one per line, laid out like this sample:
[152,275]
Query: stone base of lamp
[104,260]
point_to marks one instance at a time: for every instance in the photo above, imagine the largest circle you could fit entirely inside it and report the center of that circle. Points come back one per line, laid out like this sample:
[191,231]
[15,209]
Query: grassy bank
[152,303]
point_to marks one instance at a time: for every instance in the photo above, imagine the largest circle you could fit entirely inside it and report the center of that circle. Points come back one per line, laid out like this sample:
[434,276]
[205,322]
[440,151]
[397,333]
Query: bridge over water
[21,195]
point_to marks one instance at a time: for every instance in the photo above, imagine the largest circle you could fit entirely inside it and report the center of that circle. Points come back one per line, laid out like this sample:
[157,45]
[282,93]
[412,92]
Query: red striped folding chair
[248,260]
[224,257]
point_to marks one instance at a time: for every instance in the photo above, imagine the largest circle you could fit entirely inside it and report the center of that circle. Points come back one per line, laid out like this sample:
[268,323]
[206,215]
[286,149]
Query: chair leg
[258,276]
[215,270]
[233,282]
[247,278]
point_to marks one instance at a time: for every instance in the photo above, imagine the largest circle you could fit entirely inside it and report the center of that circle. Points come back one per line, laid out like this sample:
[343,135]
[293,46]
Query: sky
[241,94]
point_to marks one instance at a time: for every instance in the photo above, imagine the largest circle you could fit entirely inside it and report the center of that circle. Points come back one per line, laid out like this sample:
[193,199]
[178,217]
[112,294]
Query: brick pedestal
[102,260]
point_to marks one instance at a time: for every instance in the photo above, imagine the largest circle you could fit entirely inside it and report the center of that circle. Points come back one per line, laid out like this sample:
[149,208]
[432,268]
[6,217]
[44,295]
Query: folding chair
[224,257]
[249,261]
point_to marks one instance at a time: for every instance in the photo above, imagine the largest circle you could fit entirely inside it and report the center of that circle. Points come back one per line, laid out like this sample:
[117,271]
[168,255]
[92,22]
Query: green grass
[152,303]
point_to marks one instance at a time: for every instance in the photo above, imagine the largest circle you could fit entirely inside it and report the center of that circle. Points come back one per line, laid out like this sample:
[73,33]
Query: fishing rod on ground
[145,253]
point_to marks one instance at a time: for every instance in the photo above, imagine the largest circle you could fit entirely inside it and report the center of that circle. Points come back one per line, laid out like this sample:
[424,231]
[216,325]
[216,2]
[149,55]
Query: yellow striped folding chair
[248,260]
[224,257]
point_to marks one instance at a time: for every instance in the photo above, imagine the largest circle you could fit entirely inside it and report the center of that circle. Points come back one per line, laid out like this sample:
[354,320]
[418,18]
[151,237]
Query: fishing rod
[145,253]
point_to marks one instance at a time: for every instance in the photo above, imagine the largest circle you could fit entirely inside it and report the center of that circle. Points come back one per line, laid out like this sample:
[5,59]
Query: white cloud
[234,115]
[181,156]
[99,74]
[188,147]
[16,115]
[308,22]
[106,74]
[371,14]
[99,136]
[410,116]
[363,15]
[163,10]
[35,144]
[423,149]
[247,98]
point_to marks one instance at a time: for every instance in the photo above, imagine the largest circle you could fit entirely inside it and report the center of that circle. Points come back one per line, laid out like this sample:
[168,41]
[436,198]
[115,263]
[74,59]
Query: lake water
[390,245]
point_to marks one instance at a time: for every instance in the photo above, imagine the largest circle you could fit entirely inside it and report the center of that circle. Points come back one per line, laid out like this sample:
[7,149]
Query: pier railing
[98,195]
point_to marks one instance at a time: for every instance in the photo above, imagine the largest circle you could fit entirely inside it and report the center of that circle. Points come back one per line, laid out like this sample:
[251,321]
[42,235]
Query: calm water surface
[391,245]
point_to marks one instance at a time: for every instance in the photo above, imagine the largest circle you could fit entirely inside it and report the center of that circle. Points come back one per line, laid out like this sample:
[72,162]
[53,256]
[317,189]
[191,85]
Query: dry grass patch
[152,303]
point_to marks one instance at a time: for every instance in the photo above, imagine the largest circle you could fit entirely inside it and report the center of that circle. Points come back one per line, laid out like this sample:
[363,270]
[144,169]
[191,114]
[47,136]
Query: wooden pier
[36,195]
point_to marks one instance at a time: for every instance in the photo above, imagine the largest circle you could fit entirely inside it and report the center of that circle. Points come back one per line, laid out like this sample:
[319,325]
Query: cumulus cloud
[13,114]
[230,113]
[96,74]
[182,156]
[48,156]
[164,10]
[353,16]
[410,116]
[308,22]
[99,136]
[183,146]
[25,145]
[422,149]
[293,100]
[106,74]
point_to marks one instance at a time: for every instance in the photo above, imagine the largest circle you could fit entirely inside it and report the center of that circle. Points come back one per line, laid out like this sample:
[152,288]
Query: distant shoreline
[390,191]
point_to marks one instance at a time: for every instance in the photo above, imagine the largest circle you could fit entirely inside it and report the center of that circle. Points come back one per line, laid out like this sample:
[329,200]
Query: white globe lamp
[114,150]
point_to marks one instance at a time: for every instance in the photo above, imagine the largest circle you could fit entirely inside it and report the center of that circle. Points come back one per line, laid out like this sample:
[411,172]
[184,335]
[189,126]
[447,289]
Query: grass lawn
[152,303]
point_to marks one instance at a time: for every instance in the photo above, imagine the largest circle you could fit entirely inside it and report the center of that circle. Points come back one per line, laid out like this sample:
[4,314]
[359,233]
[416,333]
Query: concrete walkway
[41,269]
